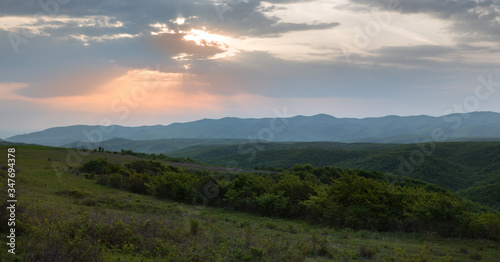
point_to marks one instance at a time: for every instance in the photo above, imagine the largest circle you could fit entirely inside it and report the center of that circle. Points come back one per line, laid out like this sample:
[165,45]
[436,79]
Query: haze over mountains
[470,169]
[322,127]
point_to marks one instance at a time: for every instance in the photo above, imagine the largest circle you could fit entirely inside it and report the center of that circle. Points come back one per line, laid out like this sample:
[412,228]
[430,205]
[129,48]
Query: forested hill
[389,129]
[471,169]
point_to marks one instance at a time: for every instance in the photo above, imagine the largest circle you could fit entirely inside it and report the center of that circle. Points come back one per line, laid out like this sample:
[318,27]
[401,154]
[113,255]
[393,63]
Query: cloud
[415,51]
[110,33]
[90,53]
[444,9]
[281,28]
[43,57]
[420,56]
[249,19]
[176,43]
[470,20]
[314,79]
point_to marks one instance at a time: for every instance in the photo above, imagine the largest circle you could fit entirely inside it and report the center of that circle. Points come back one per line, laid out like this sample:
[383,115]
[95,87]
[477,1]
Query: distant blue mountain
[389,129]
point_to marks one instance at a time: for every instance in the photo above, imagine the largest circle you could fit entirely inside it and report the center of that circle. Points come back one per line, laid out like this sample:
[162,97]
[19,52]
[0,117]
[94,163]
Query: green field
[62,215]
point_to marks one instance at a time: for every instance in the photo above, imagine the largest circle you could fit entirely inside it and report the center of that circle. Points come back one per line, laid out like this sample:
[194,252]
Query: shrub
[486,226]
[153,168]
[242,192]
[137,183]
[256,254]
[175,186]
[73,193]
[476,256]
[346,233]
[115,180]
[271,225]
[367,252]
[194,226]
[272,204]
[319,245]
[103,179]
[100,166]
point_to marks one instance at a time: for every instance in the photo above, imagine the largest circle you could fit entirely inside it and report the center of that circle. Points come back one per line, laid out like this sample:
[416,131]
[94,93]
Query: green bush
[243,191]
[357,202]
[194,226]
[100,166]
[367,252]
[137,183]
[149,167]
[175,186]
[115,181]
[485,226]
[103,179]
[271,204]
[354,199]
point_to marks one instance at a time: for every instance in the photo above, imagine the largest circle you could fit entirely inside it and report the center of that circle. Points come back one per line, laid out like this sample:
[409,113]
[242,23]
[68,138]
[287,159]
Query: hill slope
[463,167]
[156,146]
[100,223]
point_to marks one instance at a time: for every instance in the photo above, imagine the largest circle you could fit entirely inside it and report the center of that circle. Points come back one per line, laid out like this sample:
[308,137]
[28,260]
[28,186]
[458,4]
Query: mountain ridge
[320,127]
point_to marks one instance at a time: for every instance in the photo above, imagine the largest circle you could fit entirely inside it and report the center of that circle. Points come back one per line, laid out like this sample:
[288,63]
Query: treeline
[456,166]
[161,157]
[333,196]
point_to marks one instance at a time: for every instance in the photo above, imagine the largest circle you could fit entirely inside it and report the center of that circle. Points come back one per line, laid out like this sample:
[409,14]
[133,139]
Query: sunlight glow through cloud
[180,21]
[202,37]
[317,56]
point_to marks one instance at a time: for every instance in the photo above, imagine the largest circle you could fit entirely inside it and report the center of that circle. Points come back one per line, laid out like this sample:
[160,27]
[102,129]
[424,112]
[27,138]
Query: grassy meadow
[61,215]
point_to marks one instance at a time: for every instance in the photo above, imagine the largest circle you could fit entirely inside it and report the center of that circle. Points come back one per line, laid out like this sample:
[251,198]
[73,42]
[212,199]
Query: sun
[204,38]
[180,20]
[201,37]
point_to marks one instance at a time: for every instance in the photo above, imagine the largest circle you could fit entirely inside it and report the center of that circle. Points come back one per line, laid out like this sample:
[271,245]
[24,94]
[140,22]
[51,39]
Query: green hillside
[156,146]
[86,210]
[457,166]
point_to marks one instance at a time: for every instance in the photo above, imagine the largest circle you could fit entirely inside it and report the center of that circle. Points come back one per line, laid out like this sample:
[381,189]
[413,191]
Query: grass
[62,217]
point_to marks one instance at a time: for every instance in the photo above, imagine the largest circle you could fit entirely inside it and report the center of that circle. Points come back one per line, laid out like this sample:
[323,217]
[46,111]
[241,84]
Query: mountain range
[389,129]
[385,144]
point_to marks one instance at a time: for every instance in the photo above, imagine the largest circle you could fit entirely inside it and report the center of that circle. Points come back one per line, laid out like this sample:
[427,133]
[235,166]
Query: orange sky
[89,60]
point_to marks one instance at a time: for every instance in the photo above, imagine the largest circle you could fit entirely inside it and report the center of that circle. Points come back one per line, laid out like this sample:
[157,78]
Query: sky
[150,62]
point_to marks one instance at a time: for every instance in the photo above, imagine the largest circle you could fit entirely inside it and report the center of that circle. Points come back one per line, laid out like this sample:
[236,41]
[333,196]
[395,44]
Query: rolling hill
[469,168]
[111,222]
[389,129]
[156,146]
